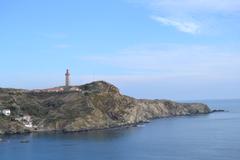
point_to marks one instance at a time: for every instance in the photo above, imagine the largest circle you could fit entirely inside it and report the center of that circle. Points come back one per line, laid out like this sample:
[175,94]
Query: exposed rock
[217,110]
[96,105]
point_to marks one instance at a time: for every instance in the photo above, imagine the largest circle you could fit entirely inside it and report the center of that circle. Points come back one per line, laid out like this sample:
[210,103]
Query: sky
[158,49]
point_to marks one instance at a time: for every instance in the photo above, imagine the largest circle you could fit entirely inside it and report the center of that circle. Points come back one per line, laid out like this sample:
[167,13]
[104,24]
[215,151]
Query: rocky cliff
[96,105]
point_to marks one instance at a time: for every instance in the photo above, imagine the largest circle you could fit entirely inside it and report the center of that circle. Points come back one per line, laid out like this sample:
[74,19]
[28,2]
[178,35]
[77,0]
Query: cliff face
[97,105]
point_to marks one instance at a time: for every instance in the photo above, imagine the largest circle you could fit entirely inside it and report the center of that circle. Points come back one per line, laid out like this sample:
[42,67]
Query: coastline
[102,129]
[95,106]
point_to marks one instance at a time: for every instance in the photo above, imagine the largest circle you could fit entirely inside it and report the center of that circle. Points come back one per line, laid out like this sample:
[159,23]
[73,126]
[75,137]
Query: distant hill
[97,105]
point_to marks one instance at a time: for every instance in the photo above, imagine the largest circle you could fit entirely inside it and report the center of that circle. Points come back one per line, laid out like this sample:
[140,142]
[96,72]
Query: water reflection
[99,135]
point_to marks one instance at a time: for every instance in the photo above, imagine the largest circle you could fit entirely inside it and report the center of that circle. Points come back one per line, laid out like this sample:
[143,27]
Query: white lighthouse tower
[67,78]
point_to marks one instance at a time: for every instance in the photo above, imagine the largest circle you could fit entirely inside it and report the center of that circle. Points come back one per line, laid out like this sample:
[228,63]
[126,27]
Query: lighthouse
[67,78]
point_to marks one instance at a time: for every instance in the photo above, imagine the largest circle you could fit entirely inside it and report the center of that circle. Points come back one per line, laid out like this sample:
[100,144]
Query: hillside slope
[96,105]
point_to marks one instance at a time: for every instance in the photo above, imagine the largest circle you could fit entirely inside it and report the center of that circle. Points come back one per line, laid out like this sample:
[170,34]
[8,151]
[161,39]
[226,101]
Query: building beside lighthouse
[66,88]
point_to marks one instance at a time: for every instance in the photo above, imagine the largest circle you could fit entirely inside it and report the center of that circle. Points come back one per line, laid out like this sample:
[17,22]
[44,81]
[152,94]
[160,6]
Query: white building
[6,112]
[74,89]
[26,120]
[55,90]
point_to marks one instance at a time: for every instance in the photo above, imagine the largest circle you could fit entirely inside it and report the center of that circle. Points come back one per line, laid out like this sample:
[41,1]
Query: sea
[214,136]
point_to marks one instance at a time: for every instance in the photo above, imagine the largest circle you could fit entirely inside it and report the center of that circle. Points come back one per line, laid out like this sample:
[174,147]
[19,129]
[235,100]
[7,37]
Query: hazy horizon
[147,48]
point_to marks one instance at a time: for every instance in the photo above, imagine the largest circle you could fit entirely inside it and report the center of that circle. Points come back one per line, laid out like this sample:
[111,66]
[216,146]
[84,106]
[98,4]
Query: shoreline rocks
[218,110]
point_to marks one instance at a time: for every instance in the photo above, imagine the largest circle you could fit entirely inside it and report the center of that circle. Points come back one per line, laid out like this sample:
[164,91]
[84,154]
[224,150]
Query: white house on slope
[6,112]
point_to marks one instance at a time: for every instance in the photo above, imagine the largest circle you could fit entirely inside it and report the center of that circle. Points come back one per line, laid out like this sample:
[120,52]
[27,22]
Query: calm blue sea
[206,137]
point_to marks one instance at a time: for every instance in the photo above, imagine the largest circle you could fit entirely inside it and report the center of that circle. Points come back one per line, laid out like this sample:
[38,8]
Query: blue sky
[174,49]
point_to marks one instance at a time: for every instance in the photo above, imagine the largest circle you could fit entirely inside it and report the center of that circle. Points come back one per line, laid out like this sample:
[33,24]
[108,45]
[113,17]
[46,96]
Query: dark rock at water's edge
[217,110]
[24,141]
[93,106]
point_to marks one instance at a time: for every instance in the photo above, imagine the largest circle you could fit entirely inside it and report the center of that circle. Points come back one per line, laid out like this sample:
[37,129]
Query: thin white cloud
[188,27]
[62,46]
[58,35]
[209,16]
[187,6]
[173,61]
